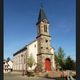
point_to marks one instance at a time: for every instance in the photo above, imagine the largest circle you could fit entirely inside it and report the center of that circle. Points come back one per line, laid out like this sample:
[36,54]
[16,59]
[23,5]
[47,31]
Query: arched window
[45,28]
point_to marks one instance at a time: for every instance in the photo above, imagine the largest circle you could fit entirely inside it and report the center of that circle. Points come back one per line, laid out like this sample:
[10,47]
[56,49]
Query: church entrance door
[47,64]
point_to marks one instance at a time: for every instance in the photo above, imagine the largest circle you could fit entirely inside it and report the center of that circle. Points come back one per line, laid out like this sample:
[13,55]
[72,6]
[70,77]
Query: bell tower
[44,56]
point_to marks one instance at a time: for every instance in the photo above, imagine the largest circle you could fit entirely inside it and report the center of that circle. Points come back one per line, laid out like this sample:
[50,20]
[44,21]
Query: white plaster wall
[18,61]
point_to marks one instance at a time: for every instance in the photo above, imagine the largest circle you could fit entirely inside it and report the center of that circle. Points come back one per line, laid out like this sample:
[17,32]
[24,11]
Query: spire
[42,15]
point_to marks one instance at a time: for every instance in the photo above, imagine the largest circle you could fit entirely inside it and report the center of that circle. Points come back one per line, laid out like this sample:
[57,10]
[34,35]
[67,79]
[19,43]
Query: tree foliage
[70,64]
[56,57]
[59,57]
[30,61]
[60,53]
[64,63]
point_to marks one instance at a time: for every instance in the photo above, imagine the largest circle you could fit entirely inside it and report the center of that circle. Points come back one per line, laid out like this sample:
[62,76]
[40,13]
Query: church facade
[40,49]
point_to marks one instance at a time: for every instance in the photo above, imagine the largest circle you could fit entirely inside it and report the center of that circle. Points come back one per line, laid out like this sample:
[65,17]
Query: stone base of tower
[45,62]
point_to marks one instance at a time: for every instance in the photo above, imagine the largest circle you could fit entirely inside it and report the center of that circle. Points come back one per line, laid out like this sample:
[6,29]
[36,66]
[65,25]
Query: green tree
[56,59]
[61,55]
[59,58]
[64,63]
[70,64]
[30,61]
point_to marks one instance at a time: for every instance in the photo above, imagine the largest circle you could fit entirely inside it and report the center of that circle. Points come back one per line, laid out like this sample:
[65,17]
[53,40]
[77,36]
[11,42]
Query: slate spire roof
[42,15]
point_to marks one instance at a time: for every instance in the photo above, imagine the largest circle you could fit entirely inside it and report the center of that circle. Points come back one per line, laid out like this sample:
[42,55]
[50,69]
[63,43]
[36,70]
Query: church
[40,49]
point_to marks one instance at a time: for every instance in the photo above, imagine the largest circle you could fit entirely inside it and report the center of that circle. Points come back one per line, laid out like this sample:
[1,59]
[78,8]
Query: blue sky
[20,17]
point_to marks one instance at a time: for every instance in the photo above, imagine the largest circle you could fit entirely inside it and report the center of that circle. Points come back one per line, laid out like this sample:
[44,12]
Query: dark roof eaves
[24,48]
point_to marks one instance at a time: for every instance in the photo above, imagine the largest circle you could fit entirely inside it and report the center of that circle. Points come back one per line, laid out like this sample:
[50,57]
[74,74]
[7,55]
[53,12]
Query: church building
[40,49]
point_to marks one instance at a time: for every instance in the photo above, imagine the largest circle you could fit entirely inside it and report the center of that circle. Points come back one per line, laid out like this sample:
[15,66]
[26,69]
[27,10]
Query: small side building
[7,66]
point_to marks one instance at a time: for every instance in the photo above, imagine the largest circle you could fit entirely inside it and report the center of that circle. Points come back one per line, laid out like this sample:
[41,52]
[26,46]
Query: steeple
[42,15]
[44,55]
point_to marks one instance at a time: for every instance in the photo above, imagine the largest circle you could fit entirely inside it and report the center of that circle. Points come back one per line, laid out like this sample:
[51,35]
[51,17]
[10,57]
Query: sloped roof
[24,48]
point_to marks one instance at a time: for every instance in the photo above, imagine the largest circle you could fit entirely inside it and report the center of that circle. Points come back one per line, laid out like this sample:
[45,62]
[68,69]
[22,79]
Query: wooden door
[47,64]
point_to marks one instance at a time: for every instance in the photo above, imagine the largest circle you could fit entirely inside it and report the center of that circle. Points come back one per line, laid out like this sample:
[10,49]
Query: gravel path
[14,76]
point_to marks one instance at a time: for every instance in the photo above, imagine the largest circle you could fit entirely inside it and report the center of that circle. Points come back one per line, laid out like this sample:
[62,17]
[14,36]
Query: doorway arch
[47,64]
